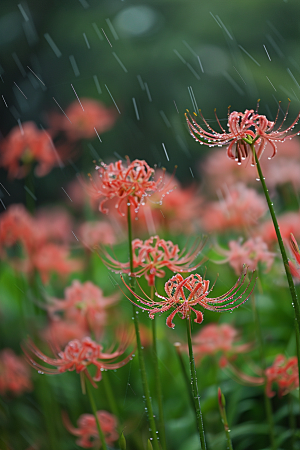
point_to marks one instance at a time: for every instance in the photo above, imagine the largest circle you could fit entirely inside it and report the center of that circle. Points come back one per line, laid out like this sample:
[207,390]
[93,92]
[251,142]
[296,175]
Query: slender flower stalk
[93,406]
[194,383]
[268,405]
[295,301]
[139,344]
[158,383]
[222,404]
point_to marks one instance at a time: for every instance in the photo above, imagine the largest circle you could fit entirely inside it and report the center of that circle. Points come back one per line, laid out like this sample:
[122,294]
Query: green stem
[139,344]
[158,384]
[93,406]
[222,407]
[268,405]
[295,301]
[196,397]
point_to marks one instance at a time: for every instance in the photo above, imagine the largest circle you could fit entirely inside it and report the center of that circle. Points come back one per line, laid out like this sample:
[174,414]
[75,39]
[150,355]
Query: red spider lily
[214,338]
[245,129]
[14,373]
[198,291]
[78,355]
[295,271]
[251,252]
[24,145]
[283,372]
[130,185]
[152,255]
[87,431]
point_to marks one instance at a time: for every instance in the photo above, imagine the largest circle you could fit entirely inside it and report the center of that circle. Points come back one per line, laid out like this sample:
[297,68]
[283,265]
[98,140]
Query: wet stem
[94,409]
[295,301]
[139,344]
[157,382]
[196,397]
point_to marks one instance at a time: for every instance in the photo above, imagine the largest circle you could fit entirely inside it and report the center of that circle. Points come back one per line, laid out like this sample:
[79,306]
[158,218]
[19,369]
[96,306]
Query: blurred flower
[23,146]
[249,253]
[14,373]
[198,289]
[240,207]
[153,255]
[87,431]
[47,259]
[36,236]
[295,271]
[245,129]
[213,339]
[288,223]
[130,185]
[92,234]
[284,373]
[83,303]
[78,355]
[61,331]
[83,122]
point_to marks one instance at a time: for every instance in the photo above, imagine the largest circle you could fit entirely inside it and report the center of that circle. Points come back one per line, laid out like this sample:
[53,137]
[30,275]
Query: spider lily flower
[14,373]
[25,145]
[129,184]
[78,355]
[251,252]
[87,431]
[283,372]
[295,271]
[215,339]
[245,129]
[153,255]
[197,294]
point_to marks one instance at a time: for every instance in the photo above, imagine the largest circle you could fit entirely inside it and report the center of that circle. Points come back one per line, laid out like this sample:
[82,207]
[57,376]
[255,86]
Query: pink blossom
[214,338]
[250,253]
[92,234]
[87,431]
[24,145]
[240,207]
[288,223]
[14,373]
[60,331]
[82,122]
[83,303]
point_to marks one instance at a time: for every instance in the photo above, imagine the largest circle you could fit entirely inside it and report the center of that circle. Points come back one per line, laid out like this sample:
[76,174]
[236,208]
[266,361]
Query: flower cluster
[150,257]
[130,184]
[78,355]
[198,291]
[44,246]
[87,431]
[245,129]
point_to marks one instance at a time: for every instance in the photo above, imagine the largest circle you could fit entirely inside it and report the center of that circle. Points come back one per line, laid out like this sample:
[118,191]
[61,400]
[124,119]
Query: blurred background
[146,61]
